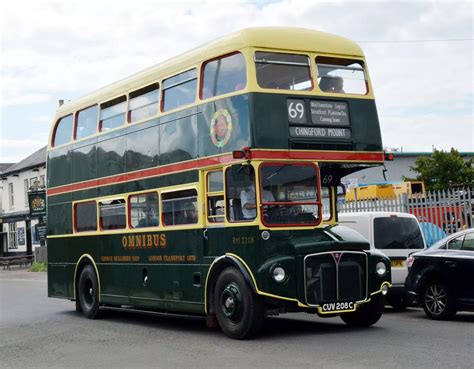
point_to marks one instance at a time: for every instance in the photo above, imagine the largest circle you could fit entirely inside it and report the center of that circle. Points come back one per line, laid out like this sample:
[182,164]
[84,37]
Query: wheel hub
[435,299]
[231,302]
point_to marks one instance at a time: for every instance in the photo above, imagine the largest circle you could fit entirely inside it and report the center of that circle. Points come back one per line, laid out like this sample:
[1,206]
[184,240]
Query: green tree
[442,170]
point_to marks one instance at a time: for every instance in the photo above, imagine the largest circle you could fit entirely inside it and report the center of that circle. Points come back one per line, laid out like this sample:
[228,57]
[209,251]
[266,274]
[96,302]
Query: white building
[17,229]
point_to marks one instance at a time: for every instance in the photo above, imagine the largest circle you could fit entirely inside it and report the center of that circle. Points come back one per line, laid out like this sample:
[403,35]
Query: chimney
[61,102]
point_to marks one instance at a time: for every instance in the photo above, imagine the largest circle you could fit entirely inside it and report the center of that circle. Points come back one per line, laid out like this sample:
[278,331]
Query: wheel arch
[218,265]
[84,260]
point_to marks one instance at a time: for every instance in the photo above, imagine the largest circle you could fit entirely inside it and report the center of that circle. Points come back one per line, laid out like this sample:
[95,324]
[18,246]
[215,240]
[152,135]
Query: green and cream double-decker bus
[207,185]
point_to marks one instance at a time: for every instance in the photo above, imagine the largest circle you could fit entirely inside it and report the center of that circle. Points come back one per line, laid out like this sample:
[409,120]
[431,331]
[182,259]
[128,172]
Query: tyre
[88,292]
[367,314]
[437,300]
[239,311]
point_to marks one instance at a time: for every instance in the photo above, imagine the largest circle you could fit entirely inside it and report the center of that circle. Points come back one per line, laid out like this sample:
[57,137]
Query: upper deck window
[112,113]
[86,122]
[179,90]
[341,76]
[224,75]
[144,102]
[283,71]
[63,132]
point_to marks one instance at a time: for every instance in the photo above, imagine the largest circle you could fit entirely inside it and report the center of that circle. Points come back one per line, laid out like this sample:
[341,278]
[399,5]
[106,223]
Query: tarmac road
[38,332]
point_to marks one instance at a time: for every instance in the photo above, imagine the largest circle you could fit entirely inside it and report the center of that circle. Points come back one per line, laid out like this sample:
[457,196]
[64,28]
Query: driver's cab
[271,194]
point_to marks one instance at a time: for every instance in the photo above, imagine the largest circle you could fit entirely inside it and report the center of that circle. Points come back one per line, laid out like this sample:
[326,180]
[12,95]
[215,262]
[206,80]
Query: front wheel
[437,301]
[88,292]
[239,311]
[367,314]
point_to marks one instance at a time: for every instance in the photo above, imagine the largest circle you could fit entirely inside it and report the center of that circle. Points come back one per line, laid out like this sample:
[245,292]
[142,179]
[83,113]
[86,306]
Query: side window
[283,71]
[112,214]
[63,131]
[144,210]
[215,197]
[143,103]
[112,113]
[326,199]
[86,122]
[85,216]
[179,207]
[240,193]
[456,243]
[179,90]
[224,75]
[343,76]
[468,242]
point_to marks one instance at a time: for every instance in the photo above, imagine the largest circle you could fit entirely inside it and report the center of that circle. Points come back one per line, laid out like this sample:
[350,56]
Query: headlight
[381,268]
[279,274]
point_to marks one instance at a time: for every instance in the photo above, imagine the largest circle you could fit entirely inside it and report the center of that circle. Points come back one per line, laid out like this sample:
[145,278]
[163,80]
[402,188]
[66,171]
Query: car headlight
[381,268]
[279,274]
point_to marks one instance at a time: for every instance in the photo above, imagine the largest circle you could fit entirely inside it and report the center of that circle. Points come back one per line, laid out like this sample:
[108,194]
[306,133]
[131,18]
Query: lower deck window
[85,216]
[112,214]
[180,207]
[144,210]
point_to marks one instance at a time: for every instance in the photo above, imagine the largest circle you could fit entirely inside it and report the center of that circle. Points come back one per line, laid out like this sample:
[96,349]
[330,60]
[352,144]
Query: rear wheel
[437,301]
[239,311]
[367,314]
[88,292]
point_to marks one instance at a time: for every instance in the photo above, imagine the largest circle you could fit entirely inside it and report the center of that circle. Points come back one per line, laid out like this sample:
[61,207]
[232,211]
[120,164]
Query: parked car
[441,278]
[395,234]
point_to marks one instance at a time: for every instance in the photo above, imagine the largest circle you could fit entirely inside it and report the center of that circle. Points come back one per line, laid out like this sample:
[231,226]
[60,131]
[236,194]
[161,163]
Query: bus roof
[284,38]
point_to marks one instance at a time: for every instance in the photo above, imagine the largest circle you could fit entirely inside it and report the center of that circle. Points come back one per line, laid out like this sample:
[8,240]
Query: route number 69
[296,111]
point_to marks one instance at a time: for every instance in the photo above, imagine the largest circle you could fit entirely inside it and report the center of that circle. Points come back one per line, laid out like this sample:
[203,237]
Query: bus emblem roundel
[221,127]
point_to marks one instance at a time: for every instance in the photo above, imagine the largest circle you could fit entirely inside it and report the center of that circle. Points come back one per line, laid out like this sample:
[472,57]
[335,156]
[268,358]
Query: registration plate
[336,307]
[398,263]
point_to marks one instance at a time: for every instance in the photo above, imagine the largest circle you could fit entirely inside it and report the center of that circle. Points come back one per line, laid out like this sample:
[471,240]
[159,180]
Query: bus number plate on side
[335,307]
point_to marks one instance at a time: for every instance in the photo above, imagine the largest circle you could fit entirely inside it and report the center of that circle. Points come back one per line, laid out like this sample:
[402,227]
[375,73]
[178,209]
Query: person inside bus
[338,85]
[150,219]
[248,201]
[190,213]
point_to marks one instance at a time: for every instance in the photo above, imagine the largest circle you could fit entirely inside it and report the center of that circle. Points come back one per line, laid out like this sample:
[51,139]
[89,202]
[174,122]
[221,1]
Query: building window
[86,122]
[179,90]
[112,113]
[11,196]
[43,180]
[143,103]
[12,234]
[180,207]
[112,214]
[26,191]
[224,75]
[63,131]
[85,216]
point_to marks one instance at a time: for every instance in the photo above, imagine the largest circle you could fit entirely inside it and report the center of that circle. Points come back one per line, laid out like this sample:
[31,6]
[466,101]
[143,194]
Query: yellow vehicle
[385,190]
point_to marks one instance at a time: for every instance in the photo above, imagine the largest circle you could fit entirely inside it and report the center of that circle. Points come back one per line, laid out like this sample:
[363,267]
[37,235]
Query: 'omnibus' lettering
[139,241]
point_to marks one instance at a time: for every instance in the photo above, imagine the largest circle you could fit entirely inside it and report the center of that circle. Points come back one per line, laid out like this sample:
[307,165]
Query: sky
[419,56]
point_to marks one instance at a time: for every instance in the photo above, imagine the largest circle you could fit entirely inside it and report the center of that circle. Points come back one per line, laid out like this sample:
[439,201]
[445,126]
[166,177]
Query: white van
[395,234]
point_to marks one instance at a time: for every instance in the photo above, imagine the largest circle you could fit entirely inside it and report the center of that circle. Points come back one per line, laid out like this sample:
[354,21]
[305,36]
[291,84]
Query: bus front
[313,121]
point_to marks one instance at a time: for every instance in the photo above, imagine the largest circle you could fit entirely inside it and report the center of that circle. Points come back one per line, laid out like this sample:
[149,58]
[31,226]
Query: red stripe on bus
[226,158]
[339,156]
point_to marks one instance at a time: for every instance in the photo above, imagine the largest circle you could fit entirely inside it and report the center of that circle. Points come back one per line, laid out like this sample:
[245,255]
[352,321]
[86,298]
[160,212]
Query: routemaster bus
[207,185]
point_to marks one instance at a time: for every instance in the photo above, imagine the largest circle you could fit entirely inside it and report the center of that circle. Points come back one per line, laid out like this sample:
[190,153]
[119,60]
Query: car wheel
[88,292]
[437,301]
[366,314]
[239,311]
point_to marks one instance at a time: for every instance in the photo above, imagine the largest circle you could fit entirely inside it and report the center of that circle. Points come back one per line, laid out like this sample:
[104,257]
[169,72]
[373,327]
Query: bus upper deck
[266,89]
